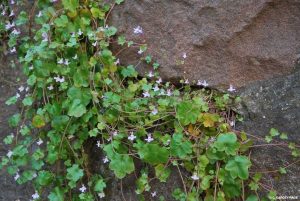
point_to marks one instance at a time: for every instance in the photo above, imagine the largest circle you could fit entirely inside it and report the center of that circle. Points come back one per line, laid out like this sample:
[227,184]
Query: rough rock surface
[227,42]
[274,103]
[9,189]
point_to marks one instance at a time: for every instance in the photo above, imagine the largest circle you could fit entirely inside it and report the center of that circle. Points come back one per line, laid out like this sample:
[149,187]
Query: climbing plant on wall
[78,92]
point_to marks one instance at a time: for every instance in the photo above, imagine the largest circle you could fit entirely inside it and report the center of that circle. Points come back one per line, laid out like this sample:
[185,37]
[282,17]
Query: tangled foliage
[78,93]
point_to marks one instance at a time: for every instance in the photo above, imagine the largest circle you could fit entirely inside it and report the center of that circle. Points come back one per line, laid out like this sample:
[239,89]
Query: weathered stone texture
[227,42]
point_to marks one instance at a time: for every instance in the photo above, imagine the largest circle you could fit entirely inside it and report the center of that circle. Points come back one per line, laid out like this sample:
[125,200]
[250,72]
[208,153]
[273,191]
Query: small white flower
[98,144]
[82,189]
[195,177]
[232,123]
[40,142]
[34,175]
[9,25]
[58,79]
[159,81]
[35,196]
[17,176]
[105,159]
[75,57]
[30,67]
[115,133]
[3,13]
[21,88]
[73,35]
[150,74]
[12,14]
[66,62]
[79,32]
[202,83]
[45,37]
[146,94]
[50,88]
[27,89]
[231,88]
[131,137]
[12,2]
[95,44]
[39,14]
[53,1]
[140,51]
[117,62]
[154,111]
[153,194]
[61,61]
[169,92]
[184,55]
[186,81]
[149,139]
[15,32]
[101,195]
[156,88]
[138,30]
[13,50]
[9,154]
[18,95]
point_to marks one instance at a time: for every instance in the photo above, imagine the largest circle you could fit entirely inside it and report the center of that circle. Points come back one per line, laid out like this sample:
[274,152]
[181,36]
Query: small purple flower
[138,30]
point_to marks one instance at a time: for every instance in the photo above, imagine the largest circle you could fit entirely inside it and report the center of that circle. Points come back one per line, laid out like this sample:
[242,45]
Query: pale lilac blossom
[13,50]
[101,195]
[30,67]
[231,88]
[27,89]
[150,74]
[9,153]
[39,14]
[15,32]
[186,81]
[39,142]
[154,111]
[79,32]
[159,81]
[95,44]
[105,159]
[153,194]
[50,88]
[98,144]
[66,62]
[18,95]
[138,30]
[75,57]
[169,92]
[82,189]
[195,177]
[17,176]
[146,94]
[149,138]
[12,2]
[45,37]
[9,25]
[156,88]
[202,83]
[21,88]
[184,55]
[12,14]
[140,51]
[59,79]
[35,196]
[131,137]
[61,61]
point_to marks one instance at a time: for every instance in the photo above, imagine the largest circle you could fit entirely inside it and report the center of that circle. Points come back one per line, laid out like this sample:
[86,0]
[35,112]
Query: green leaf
[70,5]
[119,1]
[31,80]
[162,173]
[93,133]
[227,142]
[282,170]
[180,147]
[252,198]
[12,100]
[97,13]
[121,164]
[57,194]
[27,101]
[76,109]
[129,71]
[110,31]
[205,182]
[152,153]
[283,136]
[142,184]
[14,120]
[272,195]
[121,40]
[62,21]
[274,132]
[74,173]
[8,139]
[59,122]
[238,167]
[187,112]
[100,185]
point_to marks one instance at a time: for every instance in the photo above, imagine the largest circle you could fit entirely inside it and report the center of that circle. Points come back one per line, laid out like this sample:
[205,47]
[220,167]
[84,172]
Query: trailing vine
[78,92]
